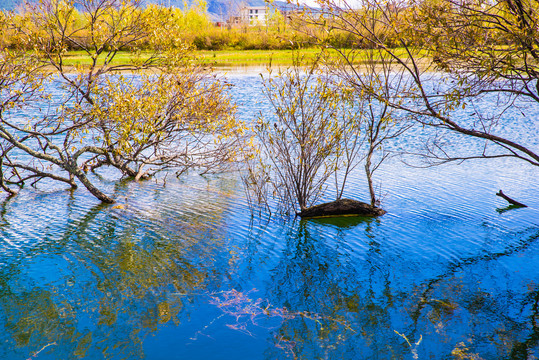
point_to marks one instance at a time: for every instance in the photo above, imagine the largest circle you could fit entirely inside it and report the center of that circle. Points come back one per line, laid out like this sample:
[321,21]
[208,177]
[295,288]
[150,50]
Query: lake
[185,270]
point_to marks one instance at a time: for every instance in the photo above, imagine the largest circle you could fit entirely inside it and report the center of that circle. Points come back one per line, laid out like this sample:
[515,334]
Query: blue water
[183,270]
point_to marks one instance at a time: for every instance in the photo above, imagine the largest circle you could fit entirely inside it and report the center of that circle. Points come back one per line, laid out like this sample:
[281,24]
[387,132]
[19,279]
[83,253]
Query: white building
[254,15]
[259,12]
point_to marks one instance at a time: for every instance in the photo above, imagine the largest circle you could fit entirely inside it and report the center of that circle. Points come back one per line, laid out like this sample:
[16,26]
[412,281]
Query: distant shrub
[168,27]
[255,38]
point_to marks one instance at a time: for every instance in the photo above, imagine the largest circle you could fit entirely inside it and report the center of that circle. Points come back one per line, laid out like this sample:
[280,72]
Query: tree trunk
[369,177]
[509,200]
[92,189]
[343,207]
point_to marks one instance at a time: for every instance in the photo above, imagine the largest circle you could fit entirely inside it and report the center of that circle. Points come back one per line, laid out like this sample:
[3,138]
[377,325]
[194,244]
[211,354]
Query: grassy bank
[223,59]
[213,58]
[254,57]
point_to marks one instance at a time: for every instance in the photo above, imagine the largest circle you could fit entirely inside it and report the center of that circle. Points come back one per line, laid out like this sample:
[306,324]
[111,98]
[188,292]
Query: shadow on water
[462,290]
[509,208]
[344,222]
[109,278]
[337,304]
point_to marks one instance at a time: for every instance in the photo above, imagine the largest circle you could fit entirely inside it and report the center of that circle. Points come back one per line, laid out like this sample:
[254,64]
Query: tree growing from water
[321,131]
[150,113]
[296,150]
[373,86]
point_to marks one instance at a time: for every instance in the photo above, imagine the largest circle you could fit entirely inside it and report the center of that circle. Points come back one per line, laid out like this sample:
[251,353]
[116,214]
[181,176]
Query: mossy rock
[342,207]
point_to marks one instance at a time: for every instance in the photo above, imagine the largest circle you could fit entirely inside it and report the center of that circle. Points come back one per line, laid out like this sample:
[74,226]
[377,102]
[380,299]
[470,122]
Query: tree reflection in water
[117,273]
[339,310]
[185,260]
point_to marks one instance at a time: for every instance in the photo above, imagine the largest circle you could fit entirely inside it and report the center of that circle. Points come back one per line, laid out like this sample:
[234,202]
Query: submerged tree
[296,151]
[373,86]
[139,116]
[321,131]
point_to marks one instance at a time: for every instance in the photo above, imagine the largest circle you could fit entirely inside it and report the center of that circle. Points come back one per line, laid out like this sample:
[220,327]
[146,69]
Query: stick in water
[511,201]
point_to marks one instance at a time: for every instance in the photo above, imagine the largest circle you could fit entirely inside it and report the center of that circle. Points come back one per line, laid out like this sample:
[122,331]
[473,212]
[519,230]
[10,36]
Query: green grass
[280,57]
[214,58]
[254,57]
[81,58]
[222,59]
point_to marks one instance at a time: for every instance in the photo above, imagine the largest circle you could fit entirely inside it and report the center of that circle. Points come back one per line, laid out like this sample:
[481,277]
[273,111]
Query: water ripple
[443,263]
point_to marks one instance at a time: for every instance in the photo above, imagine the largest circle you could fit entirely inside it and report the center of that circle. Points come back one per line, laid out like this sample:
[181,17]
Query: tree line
[190,26]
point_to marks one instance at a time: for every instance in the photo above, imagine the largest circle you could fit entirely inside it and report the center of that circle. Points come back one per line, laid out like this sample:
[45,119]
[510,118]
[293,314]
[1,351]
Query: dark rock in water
[342,207]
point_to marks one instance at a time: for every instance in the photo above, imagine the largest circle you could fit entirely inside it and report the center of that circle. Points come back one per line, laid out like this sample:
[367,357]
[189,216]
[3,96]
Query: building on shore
[254,12]
[259,12]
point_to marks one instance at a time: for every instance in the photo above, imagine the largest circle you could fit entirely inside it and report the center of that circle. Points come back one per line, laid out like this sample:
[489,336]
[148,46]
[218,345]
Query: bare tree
[373,87]
[323,128]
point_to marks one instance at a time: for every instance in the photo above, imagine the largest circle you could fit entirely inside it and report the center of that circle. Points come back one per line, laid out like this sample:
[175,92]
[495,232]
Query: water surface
[183,270]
